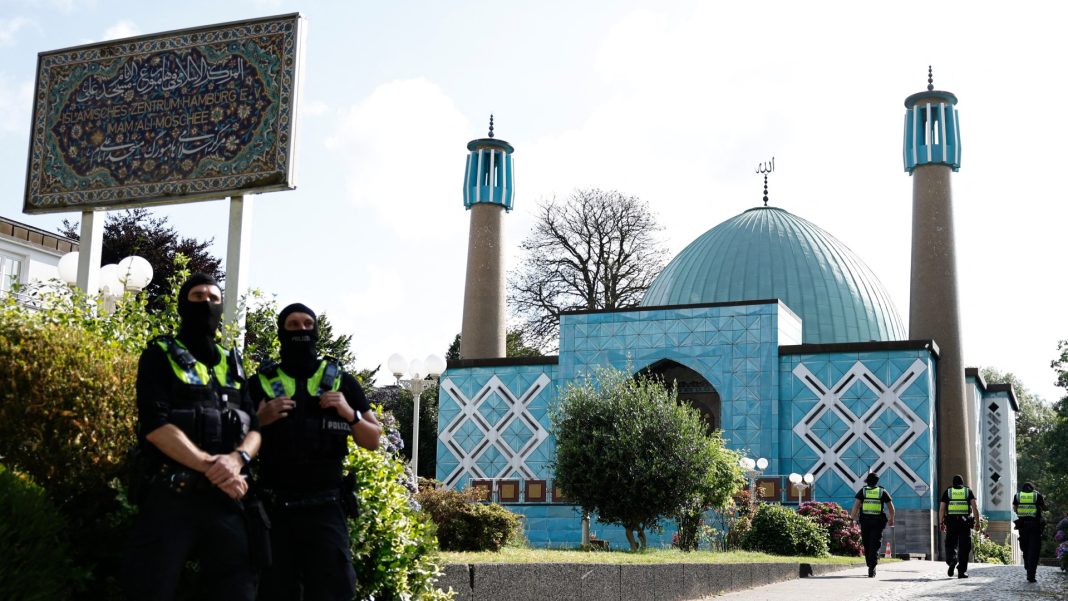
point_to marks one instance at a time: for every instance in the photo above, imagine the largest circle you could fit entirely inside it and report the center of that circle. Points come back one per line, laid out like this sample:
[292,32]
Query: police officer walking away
[958,501]
[197,431]
[1028,505]
[869,502]
[308,408]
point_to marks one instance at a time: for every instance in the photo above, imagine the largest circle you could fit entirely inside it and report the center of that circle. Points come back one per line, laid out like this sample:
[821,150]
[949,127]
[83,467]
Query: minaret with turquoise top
[931,155]
[488,192]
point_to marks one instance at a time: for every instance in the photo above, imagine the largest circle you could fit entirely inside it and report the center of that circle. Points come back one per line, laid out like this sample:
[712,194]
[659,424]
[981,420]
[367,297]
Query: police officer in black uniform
[197,430]
[1028,505]
[869,503]
[957,502]
[308,408]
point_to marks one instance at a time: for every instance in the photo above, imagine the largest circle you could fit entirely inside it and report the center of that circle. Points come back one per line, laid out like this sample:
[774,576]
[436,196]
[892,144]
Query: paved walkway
[915,581]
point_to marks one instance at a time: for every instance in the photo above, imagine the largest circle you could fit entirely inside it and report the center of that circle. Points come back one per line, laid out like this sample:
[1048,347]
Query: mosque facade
[781,336]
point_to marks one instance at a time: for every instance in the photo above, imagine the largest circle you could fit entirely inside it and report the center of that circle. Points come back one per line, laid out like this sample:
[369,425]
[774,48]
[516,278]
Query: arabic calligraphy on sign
[158,117]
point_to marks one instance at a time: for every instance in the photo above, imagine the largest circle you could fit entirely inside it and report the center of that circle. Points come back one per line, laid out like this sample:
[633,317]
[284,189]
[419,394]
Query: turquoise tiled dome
[767,253]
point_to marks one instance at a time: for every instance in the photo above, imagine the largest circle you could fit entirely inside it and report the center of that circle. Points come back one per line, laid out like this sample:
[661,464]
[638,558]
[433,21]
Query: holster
[350,505]
[258,526]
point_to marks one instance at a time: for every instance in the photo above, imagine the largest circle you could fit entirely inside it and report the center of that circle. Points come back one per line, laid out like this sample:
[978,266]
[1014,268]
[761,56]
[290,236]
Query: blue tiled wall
[888,395]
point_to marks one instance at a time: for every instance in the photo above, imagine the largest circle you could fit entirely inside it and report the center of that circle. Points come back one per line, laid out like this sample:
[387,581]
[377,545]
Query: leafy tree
[137,232]
[629,451]
[398,402]
[514,346]
[596,250]
[1056,440]
[261,335]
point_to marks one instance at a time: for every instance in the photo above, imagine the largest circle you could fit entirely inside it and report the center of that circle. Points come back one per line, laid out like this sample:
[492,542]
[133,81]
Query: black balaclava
[200,320]
[299,356]
[958,480]
[872,479]
[1028,487]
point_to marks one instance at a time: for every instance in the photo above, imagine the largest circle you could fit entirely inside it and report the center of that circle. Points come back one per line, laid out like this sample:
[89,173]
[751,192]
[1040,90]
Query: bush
[628,451]
[465,524]
[1061,538]
[781,531]
[842,531]
[394,550]
[985,550]
[37,562]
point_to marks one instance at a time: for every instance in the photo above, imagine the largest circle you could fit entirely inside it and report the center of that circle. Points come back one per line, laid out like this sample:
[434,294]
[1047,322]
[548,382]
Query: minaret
[488,192]
[931,153]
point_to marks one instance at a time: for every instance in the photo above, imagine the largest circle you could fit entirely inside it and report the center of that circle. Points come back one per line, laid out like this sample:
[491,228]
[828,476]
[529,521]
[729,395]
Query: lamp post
[416,383]
[130,274]
[752,470]
[801,483]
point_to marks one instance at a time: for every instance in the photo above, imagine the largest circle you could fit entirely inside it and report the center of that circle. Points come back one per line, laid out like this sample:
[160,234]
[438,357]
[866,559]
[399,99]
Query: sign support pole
[89,245]
[238,242]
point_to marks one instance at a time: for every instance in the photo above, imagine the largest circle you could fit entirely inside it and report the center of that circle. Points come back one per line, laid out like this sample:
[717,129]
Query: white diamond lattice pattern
[501,440]
[994,467]
[839,456]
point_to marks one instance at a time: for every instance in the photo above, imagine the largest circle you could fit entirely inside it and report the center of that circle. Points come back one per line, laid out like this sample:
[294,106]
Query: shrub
[781,531]
[465,524]
[394,550]
[37,564]
[1061,538]
[985,550]
[628,451]
[843,533]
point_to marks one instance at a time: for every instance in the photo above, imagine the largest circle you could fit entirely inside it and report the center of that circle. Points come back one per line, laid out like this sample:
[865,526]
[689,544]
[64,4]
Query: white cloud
[65,6]
[16,100]
[121,29]
[314,109]
[403,146]
[10,27]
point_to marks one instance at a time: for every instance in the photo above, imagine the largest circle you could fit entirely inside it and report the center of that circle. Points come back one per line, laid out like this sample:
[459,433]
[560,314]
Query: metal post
[238,241]
[89,245]
[417,391]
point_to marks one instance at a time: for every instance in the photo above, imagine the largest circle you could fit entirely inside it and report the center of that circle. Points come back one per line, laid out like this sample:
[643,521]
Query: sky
[673,101]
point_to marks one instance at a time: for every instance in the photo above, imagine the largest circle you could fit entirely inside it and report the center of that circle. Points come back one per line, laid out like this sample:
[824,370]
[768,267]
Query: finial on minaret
[930,79]
[491,125]
[766,168]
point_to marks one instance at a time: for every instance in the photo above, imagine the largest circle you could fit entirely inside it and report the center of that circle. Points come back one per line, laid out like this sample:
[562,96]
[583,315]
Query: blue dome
[767,253]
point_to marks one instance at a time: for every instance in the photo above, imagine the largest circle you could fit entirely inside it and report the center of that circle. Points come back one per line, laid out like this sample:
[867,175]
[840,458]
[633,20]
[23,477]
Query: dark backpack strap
[180,355]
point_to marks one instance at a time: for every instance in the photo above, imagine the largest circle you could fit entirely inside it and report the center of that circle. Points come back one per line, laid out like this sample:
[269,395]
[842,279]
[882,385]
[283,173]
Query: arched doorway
[693,388]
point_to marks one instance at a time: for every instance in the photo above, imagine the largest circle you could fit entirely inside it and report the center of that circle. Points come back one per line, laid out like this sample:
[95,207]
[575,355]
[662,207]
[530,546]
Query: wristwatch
[356,417]
[245,457]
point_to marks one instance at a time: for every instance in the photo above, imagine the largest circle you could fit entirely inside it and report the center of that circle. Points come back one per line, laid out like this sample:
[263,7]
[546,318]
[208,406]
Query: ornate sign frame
[193,114]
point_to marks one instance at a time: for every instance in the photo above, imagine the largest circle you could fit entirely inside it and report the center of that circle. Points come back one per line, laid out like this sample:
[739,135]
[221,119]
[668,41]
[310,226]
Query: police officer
[1028,505]
[197,430]
[869,503]
[308,408]
[958,501]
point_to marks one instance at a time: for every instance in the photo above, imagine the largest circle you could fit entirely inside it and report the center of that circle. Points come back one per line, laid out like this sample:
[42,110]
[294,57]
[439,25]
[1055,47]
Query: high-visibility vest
[958,501]
[873,501]
[1025,506]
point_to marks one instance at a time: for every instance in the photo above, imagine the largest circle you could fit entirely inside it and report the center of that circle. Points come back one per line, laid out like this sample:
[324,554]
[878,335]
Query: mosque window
[10,270]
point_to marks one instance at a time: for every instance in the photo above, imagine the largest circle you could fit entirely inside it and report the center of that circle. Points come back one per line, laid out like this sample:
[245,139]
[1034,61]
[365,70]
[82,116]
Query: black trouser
[311,554]
[203,525]
[958,542]
[871,532]
[1030,543]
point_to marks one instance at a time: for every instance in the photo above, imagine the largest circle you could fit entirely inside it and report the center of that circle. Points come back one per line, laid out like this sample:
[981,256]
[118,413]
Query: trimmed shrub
[985,550]
[1060,536]
[781,531]
[843,533]
[465,524]
[394,550]
[36,564]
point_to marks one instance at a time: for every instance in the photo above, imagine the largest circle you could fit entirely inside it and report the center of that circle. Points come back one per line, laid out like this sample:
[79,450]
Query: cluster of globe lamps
[755,467]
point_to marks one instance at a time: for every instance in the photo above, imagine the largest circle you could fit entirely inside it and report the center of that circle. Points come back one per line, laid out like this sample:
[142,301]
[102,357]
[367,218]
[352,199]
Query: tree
[397,401]
[514,346]
[1055,441]
[261,336]
[136,232]
[1035,419]
[629,451]
[597,250]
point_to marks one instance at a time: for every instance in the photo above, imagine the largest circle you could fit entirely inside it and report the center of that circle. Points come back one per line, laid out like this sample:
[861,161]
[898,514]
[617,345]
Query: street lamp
[752,470]
[801,483]
[132,273]
[416,383]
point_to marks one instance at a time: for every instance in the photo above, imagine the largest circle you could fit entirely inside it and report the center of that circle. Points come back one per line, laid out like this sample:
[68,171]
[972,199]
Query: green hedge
[465,524]
[36,561]
[781,531]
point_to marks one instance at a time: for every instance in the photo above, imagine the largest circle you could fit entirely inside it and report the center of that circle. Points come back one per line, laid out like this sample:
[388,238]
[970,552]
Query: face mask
[200,318]
[298,349]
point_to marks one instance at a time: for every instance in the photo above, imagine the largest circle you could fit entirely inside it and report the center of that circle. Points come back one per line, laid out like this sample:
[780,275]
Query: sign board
[195,114]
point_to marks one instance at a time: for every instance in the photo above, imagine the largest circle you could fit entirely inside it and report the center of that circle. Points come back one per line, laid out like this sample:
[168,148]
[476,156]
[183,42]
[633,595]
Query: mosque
[777,332]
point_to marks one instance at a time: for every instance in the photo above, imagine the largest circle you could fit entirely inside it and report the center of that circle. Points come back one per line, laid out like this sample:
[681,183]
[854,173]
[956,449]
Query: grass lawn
[652,556]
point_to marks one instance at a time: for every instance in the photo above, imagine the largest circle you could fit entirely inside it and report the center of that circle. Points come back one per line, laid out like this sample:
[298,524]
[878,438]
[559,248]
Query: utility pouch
[258,526]
[210,429]
[349,503]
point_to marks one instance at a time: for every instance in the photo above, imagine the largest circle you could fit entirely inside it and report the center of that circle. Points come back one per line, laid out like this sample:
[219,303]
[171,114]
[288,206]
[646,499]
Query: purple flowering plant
[843,532]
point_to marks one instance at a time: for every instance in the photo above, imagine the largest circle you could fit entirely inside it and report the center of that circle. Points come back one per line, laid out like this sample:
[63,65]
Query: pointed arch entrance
[693,388]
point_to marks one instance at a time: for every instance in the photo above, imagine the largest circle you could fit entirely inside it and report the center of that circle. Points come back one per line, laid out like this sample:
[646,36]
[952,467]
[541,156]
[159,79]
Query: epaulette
[268,368]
